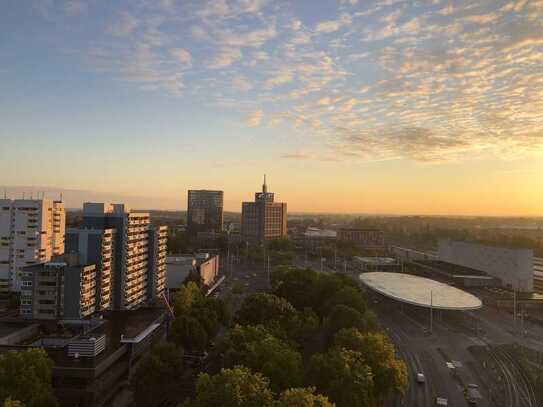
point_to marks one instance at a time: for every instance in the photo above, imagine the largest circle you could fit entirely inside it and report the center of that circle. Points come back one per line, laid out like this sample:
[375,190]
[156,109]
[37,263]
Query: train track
[517,387]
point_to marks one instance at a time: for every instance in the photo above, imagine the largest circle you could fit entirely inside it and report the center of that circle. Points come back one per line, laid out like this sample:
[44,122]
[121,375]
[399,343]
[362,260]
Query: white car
[420,378]
[440,401]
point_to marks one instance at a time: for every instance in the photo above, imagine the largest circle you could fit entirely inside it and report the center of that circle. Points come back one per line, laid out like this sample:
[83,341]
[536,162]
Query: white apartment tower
[31,231]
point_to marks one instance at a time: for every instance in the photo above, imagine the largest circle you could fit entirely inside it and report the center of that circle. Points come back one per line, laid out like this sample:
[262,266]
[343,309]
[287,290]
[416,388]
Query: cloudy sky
[370,106]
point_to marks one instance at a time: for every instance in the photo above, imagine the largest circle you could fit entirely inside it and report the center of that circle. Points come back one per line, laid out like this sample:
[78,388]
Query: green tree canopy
[237,387]
[12,403]
[263,308]
[298,286]
[348,296]
[158,376]
[187,332]
[27,376]
[343,376]
[389,373]
[185,298]
[342,316]
[302,397]
[256,348]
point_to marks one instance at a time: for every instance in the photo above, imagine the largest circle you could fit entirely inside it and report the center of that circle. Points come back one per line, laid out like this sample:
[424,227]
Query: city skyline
[381,107]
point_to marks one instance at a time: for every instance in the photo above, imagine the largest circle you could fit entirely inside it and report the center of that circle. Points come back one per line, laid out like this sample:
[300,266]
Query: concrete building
[513,267]
[263,220]
[158,239]
[363,238]
[314,238]
[96,246]
[538,274]
[59,289]
[31,231]
[134,266]
[204,211]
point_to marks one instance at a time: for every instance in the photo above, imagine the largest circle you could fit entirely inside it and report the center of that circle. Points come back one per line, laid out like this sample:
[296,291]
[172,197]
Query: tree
[342,317]
[282,244]
[237,387]
[389,373]
[263,308]
[158,376]
[298,286]
[348,296]
[188,333]
[343,376]
[27,376]
[12,403]
[256,348]
[302,397]
[187,295]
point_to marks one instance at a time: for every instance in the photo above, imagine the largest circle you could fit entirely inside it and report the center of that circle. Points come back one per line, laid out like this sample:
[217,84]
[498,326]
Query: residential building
[513,267]
[263,220]
[538,274]
[59,289]
[96,246]
[204,211]
[134,270]
[31,231]
[158,239]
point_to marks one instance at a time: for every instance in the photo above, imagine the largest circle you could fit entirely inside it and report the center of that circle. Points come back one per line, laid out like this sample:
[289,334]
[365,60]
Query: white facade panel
[514,267]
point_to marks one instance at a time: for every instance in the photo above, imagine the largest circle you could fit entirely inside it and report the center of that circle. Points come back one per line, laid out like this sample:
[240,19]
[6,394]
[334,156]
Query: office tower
[158,240]
[204,211]
[58,289]
[263,220]
[134,266]
[96,246]
[31,231]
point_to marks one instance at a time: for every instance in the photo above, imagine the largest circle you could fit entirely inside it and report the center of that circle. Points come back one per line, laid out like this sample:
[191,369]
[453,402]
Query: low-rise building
[363,238]
[59,289]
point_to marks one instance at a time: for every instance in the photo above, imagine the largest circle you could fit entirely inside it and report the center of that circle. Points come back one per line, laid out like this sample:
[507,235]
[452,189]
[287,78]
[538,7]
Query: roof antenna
[61,197]
[264,186]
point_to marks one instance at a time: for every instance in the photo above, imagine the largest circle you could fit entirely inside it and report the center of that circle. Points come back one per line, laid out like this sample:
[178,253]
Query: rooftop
[420,291]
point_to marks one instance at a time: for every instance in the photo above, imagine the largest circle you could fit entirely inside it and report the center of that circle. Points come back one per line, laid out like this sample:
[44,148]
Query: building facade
[513,267]
[31,231]
[364,238]
[263,220]
[59,289]
[135,267]
[158,240]
[96,246]
[204,211]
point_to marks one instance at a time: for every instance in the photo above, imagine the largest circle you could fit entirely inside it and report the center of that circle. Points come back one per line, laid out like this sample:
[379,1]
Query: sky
[368,106]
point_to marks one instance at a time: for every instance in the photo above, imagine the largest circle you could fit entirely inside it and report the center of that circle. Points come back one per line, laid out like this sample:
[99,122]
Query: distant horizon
[80,196]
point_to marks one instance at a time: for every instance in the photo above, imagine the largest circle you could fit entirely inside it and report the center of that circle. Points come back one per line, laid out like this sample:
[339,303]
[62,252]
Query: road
[428,354]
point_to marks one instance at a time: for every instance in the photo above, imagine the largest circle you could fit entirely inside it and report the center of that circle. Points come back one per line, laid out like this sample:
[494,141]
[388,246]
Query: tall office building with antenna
[31,231]
[263,220]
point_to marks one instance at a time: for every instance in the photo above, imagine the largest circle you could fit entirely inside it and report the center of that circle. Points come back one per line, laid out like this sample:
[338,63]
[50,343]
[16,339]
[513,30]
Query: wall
[514,267]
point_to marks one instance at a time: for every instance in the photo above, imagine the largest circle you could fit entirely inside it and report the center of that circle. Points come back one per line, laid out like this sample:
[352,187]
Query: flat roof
[420,291]
[377,260]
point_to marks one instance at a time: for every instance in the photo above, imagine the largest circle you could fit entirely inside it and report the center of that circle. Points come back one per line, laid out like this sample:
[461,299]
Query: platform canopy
[420,291]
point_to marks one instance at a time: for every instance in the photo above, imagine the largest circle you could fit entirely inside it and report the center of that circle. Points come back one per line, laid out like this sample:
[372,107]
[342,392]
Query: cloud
[225,57]
[253,119]
[333,25]
[125,25]
[241,83]
[182,55]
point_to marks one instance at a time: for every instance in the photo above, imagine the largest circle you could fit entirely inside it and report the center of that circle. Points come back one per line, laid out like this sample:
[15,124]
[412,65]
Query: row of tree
[311,342]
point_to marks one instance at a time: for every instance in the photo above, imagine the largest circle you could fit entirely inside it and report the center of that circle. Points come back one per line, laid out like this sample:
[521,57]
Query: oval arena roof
[416,290]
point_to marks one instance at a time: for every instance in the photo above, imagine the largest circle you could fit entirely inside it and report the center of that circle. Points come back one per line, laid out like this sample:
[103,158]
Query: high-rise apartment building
[263,220]
[135,267]
[31,231]
[96,246]
[62,288]
[204,211]
[158,239]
